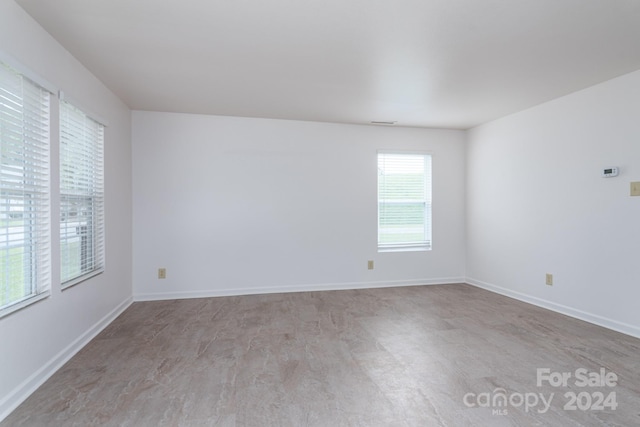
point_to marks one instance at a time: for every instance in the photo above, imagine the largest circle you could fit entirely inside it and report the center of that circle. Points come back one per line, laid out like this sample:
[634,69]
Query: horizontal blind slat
[404,200]
[82,194]
[24,189]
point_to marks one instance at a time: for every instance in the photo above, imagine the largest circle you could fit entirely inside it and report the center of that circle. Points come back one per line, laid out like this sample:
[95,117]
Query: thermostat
[610,172]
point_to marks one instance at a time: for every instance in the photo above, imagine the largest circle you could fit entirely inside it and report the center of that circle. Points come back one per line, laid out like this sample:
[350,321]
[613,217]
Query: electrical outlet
[549,279]
[370,264]
[162,273]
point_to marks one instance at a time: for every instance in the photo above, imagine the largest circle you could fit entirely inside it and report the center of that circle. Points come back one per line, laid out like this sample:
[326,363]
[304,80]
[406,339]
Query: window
[81,195]
[24,191]
[404,201]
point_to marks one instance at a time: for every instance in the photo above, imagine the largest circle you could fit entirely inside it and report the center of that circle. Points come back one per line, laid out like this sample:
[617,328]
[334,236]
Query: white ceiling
[432,63]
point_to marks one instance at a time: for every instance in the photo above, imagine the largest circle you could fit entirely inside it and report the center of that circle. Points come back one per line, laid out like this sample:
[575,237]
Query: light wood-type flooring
[449,355]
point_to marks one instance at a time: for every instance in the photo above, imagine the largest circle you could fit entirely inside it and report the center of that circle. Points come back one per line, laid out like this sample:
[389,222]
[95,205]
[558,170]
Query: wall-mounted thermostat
[610,172]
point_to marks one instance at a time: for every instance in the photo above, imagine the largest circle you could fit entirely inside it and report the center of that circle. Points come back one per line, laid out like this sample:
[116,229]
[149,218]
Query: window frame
[426,202]
[95,195]
[36,189]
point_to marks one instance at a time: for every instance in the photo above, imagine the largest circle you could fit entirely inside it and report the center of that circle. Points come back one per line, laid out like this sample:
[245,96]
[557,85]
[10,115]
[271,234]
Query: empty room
[319,213]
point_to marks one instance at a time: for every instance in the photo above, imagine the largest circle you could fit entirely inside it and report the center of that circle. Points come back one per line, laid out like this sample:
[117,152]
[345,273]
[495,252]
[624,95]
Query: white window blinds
[81,195]
[404,201]
[24,191]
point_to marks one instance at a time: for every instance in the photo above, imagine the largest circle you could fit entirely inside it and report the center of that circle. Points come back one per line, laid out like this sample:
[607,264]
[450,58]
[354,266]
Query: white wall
[237,205]
[36,340]
[536,204]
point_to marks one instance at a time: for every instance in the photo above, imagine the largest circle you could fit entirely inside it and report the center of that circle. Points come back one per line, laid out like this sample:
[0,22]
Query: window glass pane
[24,189]
[404,200]
[81,194]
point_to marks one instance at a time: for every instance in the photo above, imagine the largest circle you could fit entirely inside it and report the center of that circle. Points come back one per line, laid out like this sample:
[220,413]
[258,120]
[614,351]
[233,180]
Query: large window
[404,201]
[81,195]
[24,191]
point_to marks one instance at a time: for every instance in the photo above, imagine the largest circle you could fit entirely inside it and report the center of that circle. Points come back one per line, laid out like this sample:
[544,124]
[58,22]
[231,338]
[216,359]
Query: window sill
[24,303]
[405,249]
[73,282]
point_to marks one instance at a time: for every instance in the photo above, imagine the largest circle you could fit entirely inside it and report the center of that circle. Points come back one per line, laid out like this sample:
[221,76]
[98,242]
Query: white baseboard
[156,296]
[605,322]
[31,384]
